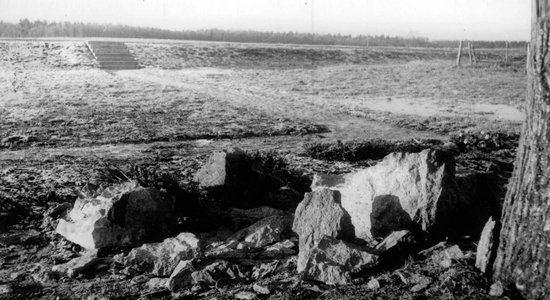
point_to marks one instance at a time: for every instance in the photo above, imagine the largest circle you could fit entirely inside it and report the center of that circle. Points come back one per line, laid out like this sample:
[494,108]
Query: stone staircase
[112,55]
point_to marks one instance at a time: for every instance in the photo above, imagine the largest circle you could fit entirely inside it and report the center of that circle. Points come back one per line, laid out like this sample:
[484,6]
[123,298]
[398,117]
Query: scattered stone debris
[203,271]
[334,261]
[160,259]
[120,215]
[263,251]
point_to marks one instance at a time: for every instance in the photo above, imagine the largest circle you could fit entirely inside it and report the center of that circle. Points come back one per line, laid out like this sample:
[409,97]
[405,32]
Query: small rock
[445,257]
[79,265]
[373,284]
[261,289]
[226,250]
[279,250]
[245,295]
[157,283]
[420,282]
[5,289]
[264,232]
[496,289]
[262,270]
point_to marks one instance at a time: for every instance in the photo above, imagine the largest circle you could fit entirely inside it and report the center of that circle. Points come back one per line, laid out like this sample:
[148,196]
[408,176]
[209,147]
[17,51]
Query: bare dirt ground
[62,121]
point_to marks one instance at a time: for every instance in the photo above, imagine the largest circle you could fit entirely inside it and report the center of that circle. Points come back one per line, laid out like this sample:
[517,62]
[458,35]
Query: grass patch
[365,150]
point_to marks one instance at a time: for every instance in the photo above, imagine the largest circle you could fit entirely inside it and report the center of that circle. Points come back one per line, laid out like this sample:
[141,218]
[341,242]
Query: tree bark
[523,255]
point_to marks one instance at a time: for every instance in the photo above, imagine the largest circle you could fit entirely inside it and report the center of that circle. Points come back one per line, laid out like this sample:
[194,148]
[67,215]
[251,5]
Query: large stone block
[320,214]
[402,191]
[120,215]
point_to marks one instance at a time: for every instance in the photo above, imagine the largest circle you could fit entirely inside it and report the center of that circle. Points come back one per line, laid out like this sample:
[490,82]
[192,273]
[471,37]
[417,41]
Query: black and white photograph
[274,149]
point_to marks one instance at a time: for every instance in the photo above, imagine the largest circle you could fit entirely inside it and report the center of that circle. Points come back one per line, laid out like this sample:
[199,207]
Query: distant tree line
[26,29]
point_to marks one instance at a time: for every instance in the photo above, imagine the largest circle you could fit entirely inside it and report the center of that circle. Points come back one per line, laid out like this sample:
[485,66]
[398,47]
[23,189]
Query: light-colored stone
[120,215]
[496,289]
[485,246]
[161,259]
[226,250]
[222,168]
[5,289]
[334,261]
[445,257]
[420,282]
[264,232]
[279,250]
[320,214]
[260,289]
[157,283]
[373,284]
[403,187]
[245,295]
[393,240]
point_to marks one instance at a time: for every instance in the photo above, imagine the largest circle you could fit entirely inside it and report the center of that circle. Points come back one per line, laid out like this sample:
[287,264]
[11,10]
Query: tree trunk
[523,255]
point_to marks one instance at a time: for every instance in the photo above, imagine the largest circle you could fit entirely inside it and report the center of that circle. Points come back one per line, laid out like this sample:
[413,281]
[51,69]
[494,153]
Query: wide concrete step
[117,63]
[115,58]
[111,50]
[120,67]
[112,55]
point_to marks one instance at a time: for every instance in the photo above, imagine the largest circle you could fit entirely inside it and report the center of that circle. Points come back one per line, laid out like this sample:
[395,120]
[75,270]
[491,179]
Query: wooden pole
[459,54]
[474,54]
[470,53]
[506,55]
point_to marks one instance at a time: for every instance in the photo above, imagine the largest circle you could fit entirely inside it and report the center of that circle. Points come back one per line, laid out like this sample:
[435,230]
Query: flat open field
[62,120]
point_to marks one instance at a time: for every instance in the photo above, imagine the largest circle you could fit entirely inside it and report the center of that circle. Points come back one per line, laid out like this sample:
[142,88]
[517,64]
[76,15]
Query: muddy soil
[63,123]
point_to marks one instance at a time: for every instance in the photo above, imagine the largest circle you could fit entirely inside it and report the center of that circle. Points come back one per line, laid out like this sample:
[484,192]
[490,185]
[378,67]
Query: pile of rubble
[347,228]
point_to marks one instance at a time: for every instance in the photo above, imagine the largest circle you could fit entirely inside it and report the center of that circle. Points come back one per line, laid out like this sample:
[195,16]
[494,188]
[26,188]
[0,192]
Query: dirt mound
[178,56]
[45,54]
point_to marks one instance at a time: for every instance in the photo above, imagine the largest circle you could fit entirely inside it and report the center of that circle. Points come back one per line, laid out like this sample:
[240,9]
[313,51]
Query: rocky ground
[296,111]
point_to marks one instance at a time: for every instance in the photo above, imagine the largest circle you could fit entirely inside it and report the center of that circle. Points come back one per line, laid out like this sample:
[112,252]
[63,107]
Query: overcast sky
[436,19]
